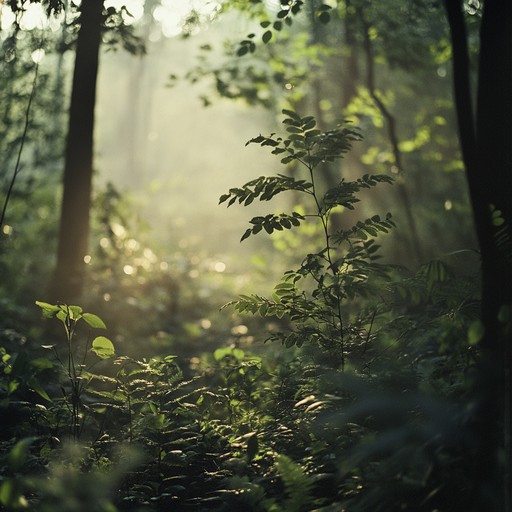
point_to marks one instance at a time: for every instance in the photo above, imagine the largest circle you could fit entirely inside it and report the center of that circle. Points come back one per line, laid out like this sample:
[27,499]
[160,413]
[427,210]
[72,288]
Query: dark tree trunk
[78,169]
[486,143]
[494,160]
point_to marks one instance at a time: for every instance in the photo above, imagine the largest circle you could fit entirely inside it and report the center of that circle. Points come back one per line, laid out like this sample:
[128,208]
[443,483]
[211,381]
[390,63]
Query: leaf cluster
[70,316]
[345,268]
[284,17]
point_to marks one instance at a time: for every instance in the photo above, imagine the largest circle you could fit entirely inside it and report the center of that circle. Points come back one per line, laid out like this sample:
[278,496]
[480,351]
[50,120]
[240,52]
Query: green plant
[73,363]
[317,295]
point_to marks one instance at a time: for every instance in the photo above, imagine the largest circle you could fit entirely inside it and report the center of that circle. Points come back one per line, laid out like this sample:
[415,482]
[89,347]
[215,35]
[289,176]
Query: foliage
[224,425]
[405,71]
[74,362]
[346,263]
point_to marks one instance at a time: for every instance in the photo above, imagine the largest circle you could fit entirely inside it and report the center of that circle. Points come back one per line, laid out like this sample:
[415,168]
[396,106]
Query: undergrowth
[364,407]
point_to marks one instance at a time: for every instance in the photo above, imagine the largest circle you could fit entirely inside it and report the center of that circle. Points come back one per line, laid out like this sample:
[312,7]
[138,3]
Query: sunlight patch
[173,14]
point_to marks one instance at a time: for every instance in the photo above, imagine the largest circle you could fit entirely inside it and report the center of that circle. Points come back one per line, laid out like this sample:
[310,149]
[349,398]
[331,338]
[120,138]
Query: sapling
[314,296]
[73,363]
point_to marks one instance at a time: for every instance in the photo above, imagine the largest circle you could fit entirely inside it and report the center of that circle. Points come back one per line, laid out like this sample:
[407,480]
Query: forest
[256,255]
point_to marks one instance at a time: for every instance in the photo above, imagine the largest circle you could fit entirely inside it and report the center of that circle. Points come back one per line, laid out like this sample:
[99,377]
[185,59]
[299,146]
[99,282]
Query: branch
[392,135]
[17,167]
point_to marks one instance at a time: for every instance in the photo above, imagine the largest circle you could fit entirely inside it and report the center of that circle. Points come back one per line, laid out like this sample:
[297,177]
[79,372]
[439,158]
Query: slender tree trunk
[486,144]
[414,242]
[78,170]
[350,64]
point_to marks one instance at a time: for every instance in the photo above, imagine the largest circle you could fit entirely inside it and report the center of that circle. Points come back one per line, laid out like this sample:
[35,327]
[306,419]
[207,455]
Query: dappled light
[255,255]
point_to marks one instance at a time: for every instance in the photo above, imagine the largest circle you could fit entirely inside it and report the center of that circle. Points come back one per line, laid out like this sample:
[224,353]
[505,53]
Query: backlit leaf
[94,321]
[103,347]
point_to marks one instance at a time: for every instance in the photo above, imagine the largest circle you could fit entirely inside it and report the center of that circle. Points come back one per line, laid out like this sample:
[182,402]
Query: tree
[69,275]
[78,168]
[78,165]
[485,139]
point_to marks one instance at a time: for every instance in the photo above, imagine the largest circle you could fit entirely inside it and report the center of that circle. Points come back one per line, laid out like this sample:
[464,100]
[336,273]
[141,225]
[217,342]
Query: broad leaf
[48,310]
[94,321]
[103,347]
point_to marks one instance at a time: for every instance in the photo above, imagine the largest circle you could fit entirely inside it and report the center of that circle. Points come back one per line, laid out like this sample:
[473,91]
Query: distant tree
[381,63]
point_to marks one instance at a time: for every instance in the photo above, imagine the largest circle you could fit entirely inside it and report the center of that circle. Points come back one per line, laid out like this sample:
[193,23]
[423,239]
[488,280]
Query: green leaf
[296,8]
[476,332]
[290,113]
[62,316]
[94,321]
[8,492]
[238,353]
[19,454]
[48,310]
[74,312]
[103,347]
[242,51]
[267,36]
[222,352]
[38,389]
[246,235]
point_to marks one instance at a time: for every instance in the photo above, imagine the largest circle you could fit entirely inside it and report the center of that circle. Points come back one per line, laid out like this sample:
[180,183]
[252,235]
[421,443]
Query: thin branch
[17,167]
[392,135]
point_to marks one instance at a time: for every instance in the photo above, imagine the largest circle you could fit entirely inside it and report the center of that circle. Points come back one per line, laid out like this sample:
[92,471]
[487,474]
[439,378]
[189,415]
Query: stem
[17,167]
[324,219]
[130,417]
[70,325]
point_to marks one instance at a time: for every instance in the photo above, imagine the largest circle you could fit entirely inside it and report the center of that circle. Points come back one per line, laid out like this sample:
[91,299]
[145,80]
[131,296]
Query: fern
[298,485]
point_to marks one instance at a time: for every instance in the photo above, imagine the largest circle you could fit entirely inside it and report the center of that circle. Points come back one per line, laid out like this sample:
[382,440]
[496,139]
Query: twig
[17,167]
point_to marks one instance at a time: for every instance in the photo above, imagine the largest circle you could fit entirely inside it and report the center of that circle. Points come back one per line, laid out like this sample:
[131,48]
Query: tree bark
[494,146]
[78,169]
[486,145]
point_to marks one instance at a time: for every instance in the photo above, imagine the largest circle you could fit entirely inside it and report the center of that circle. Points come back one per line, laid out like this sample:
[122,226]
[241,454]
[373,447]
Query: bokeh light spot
[239,330]
[128,270]
[219,266]
[205,323]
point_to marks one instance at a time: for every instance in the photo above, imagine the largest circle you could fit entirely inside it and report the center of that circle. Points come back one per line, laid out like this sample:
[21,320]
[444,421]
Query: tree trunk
[76,200]
[494,146]
[486,144]
[415,248]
